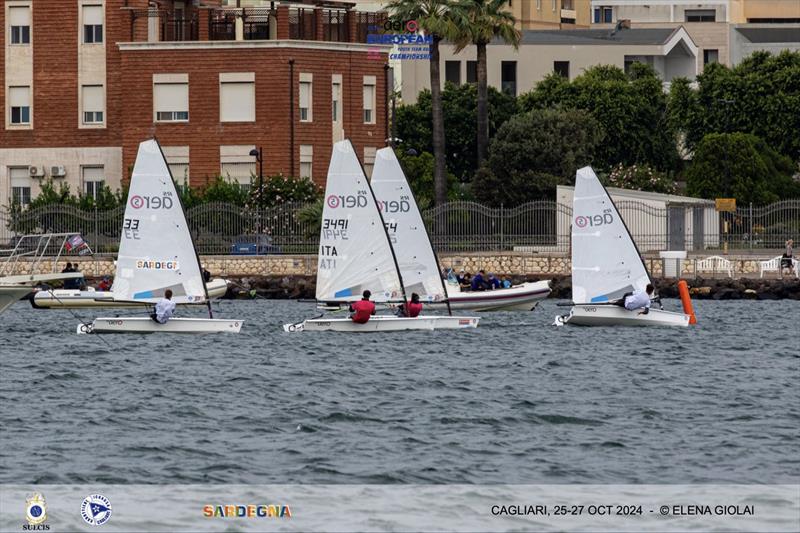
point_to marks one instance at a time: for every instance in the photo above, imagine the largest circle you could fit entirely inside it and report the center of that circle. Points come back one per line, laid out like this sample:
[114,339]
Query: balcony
[331,24]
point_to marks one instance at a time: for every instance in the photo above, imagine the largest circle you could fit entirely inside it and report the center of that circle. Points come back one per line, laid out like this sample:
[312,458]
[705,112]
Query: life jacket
[413,309]
[362,310]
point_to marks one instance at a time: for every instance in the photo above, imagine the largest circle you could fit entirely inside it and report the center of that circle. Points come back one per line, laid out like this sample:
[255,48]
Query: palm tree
[433,17]
[478,22]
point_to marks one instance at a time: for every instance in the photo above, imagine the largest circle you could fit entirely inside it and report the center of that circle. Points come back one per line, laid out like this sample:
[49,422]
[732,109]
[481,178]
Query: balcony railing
[332,24]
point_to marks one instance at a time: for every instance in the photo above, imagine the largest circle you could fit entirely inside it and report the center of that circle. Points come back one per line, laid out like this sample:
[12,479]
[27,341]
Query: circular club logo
[581,221]
[412,26]
[137,202]
[333,201]
[96,510]
[35,509]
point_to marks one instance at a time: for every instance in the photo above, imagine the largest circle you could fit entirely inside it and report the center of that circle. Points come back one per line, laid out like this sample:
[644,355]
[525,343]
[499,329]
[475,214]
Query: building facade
[84,81]
[712,24]
[671,52]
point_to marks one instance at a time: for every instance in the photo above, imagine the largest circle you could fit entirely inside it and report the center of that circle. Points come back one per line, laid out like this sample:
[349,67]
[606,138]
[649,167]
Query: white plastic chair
[714,264]
[772,265]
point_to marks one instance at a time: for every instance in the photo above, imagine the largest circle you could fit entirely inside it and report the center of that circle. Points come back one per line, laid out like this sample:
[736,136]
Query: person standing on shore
[788,257]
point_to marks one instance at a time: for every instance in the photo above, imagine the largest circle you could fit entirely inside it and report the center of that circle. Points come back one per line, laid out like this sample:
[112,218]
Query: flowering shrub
[280,189]
[640,178]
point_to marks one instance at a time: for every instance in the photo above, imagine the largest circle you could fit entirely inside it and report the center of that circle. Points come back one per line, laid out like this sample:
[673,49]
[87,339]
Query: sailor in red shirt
[362,309]
[411,309]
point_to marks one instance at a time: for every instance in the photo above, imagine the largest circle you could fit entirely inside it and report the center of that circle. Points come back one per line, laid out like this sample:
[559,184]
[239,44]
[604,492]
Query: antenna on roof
[622,24]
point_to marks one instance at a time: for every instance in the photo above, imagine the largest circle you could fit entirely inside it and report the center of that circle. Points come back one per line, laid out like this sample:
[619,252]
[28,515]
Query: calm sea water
[515,401]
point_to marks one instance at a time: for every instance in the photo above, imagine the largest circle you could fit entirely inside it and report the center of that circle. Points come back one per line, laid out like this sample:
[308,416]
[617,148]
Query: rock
[700,291]
[750,294]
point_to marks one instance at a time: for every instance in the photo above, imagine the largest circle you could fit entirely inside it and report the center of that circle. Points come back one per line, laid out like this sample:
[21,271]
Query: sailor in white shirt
[164,308]
[639,300]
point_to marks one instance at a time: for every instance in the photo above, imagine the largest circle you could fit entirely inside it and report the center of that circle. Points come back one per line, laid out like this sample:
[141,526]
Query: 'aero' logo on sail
[152,202]
[348,201]
[594,220]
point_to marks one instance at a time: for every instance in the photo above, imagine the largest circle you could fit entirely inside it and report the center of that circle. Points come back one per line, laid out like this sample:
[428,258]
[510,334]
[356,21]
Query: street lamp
[258,154]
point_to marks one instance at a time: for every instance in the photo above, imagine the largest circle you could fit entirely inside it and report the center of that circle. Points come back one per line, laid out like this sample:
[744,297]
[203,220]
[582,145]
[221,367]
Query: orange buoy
[683,290]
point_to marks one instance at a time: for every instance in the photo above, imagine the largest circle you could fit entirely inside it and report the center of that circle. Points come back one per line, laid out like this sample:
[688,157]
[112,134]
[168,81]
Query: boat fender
[683,289]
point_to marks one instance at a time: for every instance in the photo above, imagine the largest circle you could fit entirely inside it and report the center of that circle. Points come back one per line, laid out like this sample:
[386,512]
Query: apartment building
[550,14]
[725,31]
[84,81]
[671,52]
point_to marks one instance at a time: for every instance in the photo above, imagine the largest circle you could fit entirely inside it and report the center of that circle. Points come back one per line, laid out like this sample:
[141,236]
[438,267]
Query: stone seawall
[508,264]
[301,287]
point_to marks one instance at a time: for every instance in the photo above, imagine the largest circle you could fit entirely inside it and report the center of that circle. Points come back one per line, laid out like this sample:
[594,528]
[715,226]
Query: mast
[428,236]
[383,225]
[194,247]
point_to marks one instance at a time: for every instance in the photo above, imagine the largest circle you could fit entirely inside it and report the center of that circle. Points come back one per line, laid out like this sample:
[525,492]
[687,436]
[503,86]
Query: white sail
[407,233]
[354,250]
[605,261]
[156,251]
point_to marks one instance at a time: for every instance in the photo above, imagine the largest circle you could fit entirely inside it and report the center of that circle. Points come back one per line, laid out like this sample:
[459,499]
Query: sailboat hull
[9,295]
[523,297]
[70,299]
[612,315]
[384,323]
[148,325]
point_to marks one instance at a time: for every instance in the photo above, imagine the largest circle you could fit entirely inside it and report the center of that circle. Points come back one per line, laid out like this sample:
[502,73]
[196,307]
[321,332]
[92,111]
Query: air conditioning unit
[58,172]
[36,172]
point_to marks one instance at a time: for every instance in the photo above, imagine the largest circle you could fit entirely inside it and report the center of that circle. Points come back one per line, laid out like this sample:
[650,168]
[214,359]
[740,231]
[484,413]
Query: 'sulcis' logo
[35,513]
[594,220]
[152,202]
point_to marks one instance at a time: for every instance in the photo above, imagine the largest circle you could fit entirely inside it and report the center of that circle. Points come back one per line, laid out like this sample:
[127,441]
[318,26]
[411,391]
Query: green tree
[433,16]
[419,170]
[741,166]
[459,102]
[533,153]
[479,22]
[631,108]
[760,95]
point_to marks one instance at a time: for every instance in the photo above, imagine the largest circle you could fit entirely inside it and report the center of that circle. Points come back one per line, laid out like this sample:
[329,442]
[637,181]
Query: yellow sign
[726,204]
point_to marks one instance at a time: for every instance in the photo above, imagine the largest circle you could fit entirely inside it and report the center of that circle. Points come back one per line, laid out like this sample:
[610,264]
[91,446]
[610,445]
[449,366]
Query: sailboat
[356,254]
[12,293]
[606,263]
[156,253]
[418,263]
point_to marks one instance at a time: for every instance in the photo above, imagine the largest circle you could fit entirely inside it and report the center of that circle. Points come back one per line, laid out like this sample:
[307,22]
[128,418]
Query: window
[306,161]
[369,160]
[171,98]
[237,97]
[700,15]
[710,56]
[20,185]
[93,104]
[472,72]
[178,161]
[603,15]
[92,24]
[452,72]
[306,97]
[336,99]
[93,181]
[369,99]
[237,165]
[20,103]
[508,77]
[19,18]
[561,68]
